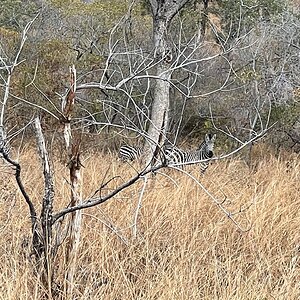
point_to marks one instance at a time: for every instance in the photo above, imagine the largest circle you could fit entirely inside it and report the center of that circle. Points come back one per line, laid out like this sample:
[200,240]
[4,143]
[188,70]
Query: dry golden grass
[186,248]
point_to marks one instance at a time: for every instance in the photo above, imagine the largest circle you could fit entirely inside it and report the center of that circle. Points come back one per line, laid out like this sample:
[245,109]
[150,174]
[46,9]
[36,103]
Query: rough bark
[162,14]
[75,222]
[46,212]
[204,16]
[74,164]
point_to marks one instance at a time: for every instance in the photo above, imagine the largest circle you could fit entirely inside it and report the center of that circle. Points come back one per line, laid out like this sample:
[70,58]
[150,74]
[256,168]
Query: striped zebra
[179,157]
[130,153]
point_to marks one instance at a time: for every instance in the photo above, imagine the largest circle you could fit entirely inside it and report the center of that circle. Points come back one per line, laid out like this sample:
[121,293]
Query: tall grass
[186,247]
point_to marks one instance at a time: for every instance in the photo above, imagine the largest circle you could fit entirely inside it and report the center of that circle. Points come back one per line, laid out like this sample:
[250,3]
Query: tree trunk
[45,247]
[204,17]
[74,164]
[162,13]
[160,107]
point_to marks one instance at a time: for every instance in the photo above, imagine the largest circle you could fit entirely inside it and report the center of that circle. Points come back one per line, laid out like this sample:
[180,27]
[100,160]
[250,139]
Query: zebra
[130,153]
[174,156]
[178,157]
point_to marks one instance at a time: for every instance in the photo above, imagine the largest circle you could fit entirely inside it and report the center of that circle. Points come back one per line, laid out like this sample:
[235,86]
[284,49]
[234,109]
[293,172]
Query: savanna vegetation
[78,79]
[185,248]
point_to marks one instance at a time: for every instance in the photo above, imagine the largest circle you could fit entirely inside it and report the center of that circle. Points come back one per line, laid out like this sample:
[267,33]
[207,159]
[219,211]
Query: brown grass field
[186,247]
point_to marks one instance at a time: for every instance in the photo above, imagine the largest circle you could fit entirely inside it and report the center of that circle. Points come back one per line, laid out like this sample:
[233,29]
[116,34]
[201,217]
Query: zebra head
[209,142]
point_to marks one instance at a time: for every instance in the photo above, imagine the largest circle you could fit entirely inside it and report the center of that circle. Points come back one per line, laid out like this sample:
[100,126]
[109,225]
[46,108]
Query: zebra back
[130,153]
[202,156]
[175,156]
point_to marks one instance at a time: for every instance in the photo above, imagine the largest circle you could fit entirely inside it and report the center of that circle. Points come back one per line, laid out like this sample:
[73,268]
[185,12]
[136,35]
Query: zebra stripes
[175,156]
[202,155]
[130,153]
[4,148]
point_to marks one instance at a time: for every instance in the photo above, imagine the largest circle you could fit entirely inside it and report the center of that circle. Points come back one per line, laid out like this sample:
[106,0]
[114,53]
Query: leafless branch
[96,201]
[218,203]
[110,226]
[10,69]
[138,207]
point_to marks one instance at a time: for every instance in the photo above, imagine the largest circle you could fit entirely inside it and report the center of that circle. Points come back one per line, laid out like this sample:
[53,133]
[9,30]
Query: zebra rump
[130,153]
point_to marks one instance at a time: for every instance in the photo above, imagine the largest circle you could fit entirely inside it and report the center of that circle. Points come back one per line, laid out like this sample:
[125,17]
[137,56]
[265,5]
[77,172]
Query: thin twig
[138,207]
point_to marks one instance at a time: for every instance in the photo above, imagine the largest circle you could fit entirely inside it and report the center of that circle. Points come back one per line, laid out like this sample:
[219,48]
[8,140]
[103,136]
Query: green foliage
[208,124]
[9,39]
[88,27]
[247,75]
[236,16]
[145,7]
[14,14]
[52,54]
[53,58]
[287,114]
[68,32]
[109,11]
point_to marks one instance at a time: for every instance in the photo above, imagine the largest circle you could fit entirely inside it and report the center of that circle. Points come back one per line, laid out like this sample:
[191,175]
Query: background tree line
[258,69]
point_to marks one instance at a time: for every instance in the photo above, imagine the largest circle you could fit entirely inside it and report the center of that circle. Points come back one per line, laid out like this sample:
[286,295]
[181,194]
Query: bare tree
[190,58]
[162,13]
